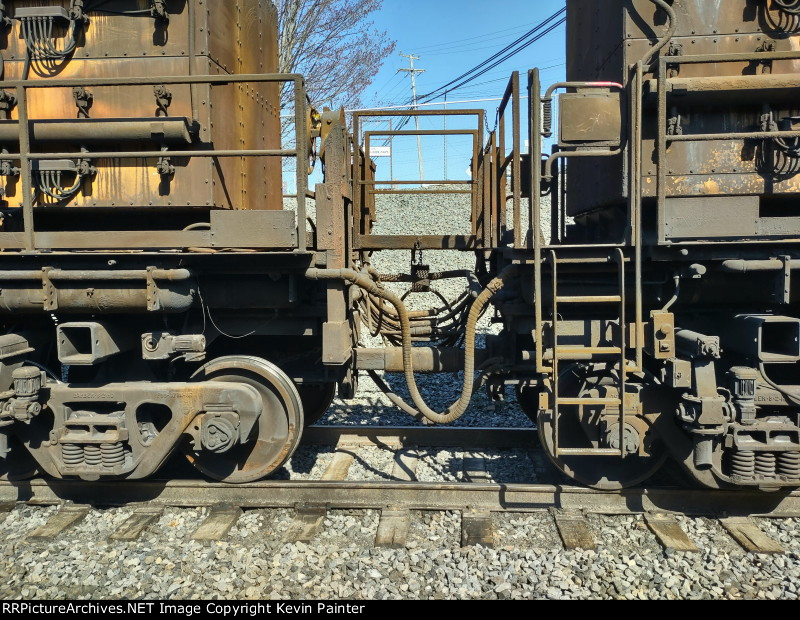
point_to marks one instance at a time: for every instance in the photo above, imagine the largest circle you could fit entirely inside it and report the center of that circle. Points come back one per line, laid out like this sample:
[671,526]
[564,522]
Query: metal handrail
[512,96]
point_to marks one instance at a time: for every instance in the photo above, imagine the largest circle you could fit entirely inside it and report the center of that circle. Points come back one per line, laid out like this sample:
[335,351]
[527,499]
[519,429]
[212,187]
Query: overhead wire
[507,52]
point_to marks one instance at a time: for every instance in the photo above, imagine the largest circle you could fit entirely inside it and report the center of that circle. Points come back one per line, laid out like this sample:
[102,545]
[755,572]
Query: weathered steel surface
[468,438]
[223,38]
[727,55]
[411,496]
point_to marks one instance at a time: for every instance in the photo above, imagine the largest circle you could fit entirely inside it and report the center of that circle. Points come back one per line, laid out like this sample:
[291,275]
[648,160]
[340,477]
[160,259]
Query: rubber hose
[673,24]
[457,409]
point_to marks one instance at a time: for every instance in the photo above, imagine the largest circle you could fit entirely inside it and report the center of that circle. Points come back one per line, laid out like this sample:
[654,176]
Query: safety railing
[368,187]
[30,240]
[513,160]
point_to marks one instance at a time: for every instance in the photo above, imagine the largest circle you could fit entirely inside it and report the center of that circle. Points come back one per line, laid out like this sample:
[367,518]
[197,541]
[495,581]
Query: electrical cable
[509,49]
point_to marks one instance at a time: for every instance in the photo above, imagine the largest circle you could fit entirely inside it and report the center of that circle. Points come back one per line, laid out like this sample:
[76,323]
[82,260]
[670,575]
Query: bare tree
[334,44]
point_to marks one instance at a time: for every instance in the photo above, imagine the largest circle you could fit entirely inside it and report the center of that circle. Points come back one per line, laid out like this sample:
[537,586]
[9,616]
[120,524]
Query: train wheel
[608,473]
[317,399]
[19,465]
[278,428]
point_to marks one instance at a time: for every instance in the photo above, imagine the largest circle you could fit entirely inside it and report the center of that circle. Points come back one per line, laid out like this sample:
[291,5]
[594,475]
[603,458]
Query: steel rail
[436,437]
[524,498]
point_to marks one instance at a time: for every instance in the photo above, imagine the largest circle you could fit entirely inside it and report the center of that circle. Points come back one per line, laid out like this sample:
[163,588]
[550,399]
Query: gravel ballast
[254,561]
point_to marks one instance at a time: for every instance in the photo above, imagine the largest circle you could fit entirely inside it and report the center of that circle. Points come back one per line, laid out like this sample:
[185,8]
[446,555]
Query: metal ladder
[560,354]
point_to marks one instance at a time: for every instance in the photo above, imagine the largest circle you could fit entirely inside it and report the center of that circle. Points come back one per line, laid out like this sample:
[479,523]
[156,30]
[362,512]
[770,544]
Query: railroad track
[478,497]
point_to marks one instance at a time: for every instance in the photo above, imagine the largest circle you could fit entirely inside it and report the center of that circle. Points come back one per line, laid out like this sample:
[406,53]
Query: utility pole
[413,72]
[445,136]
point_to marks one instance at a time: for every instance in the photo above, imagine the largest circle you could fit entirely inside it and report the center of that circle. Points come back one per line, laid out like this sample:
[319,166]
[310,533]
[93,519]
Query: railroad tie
[393,528]
[574,530]
[747,533]
[669,533]
[405,465]
[339,466]
[306,524]
[136,523]
[474,469]
[68,516]
[477,528]
[218,523]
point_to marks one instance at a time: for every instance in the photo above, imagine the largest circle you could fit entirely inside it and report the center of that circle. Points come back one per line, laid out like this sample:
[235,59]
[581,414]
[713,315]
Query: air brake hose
[457,409]
[673,25]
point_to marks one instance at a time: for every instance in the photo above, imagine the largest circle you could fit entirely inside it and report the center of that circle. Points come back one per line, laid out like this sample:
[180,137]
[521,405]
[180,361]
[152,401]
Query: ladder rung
[589,401]
[589,452]
[590,299]
[584,246]
[565,353]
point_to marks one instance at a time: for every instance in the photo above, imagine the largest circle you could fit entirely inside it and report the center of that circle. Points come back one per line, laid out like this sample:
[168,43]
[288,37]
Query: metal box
[123,39]
[594,117]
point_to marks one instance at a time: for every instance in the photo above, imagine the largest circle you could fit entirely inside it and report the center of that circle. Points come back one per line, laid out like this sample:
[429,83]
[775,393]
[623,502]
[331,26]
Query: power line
[507,52]
[498,62]
[445,44]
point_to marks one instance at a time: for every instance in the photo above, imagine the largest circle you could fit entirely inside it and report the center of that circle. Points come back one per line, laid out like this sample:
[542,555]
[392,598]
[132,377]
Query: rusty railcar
[676,160]
[148,264]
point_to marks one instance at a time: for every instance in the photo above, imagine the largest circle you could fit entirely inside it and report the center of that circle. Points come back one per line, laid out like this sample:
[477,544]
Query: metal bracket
[158,9]
[163,100]
[674,126]
[675,49]
[83,101]
[785,281]
[163,346]
[7,167]
[164,167]
[767,121]
[50,291]
[420,272]
[84,168]
[5,20]
[766,65]
[76,12]
[153,300]
[8,102]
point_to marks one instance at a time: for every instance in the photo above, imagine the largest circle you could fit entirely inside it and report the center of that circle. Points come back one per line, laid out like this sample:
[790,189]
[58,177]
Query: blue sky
[451,37]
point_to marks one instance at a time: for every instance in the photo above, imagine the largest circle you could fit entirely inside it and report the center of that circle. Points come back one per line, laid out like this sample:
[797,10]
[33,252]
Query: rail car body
[156,296]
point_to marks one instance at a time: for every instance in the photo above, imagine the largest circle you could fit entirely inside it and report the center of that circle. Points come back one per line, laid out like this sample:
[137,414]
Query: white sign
[380,151]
